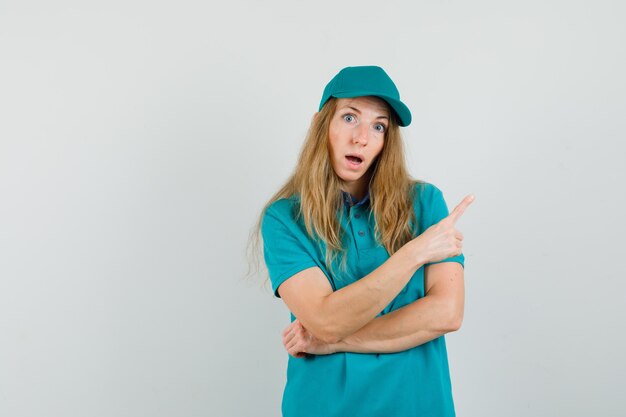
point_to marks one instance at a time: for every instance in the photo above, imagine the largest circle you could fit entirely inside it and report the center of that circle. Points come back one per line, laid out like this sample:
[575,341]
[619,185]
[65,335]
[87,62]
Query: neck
[357,189]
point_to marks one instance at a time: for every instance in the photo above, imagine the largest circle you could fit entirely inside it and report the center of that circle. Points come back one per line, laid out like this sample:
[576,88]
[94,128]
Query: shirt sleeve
[438,211]
[284,248]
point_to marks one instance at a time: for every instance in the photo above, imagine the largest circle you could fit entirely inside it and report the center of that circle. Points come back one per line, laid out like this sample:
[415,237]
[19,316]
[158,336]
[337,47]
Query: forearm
[357,304]
[412,325]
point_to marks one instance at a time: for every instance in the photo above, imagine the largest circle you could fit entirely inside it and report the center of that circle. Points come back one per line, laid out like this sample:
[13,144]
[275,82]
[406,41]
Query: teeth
[354,159]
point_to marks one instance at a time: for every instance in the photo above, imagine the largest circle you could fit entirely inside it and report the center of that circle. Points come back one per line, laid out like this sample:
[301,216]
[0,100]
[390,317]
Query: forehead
[365,104]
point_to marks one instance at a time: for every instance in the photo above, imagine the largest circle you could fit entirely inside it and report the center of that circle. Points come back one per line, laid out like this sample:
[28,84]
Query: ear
[314,115]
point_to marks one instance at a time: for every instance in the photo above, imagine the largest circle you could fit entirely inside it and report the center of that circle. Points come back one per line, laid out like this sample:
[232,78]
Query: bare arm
[439,312]
[333,316]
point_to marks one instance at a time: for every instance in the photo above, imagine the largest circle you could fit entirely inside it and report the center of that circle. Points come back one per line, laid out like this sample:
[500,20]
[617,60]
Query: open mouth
[354,159]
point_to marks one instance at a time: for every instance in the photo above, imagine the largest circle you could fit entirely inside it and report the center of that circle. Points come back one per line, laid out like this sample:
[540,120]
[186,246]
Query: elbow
[326,335]
[327,328]
[452,319]
[325,332]
[330,333]
[455,324]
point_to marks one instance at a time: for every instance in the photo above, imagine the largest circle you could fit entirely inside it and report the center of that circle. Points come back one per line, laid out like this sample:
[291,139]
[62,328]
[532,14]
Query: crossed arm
[439,312]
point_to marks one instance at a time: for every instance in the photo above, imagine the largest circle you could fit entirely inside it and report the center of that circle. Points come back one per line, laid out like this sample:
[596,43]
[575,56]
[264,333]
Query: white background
[139,141]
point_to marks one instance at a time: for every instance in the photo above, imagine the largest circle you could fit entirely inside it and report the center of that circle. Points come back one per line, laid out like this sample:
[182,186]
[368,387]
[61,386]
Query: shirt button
[357,216]
[361,233]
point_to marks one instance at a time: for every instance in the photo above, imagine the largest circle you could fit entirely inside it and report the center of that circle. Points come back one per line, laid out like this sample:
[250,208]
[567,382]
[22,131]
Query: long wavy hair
[318,186]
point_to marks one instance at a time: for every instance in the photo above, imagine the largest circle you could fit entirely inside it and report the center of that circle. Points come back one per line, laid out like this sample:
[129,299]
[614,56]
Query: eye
[380,128]
[348,118]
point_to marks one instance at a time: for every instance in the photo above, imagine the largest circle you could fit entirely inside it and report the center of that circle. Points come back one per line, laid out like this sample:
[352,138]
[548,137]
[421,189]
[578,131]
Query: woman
[367,260]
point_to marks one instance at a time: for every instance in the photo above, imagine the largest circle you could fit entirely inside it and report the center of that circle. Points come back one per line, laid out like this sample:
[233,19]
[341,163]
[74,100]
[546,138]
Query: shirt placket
[358,224]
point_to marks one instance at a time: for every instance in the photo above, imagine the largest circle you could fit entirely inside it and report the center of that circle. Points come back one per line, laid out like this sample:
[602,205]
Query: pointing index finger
[460,209]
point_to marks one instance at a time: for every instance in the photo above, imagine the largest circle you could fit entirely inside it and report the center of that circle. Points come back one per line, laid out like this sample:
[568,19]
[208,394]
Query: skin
[439,312]
[358,126]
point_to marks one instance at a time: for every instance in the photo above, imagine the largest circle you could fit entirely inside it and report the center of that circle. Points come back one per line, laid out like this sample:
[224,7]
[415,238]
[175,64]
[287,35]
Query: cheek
[379,149]
[331,146]
[333,143]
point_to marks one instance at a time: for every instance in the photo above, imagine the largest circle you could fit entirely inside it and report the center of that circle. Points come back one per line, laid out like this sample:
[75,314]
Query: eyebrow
[359,111]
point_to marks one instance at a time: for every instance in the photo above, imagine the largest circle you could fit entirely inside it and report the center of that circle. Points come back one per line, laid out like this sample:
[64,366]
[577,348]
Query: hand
[298,341]
[443,240]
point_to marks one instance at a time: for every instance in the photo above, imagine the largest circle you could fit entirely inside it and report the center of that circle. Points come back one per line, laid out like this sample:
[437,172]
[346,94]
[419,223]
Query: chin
[347,175]
[351,180]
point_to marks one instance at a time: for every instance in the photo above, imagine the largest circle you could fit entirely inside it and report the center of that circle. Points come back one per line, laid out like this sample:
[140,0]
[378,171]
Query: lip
[358,155]
[351,165]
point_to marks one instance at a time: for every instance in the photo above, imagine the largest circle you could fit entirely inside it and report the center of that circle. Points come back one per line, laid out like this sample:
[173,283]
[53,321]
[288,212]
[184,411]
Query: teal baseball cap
[367,81]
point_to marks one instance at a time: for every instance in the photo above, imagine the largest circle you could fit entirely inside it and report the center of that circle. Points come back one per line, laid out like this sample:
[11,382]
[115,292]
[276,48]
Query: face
[356,135]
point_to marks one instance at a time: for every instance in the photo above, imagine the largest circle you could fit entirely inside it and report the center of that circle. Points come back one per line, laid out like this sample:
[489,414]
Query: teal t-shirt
[414,382]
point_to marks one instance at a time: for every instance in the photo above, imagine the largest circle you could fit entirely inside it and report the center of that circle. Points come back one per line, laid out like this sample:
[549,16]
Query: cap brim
[402,111]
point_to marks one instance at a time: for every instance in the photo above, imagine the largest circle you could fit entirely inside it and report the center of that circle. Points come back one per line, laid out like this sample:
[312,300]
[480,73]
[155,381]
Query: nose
[360,133]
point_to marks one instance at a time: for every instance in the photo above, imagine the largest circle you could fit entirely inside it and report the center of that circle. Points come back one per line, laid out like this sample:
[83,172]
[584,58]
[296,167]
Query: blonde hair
[318,186]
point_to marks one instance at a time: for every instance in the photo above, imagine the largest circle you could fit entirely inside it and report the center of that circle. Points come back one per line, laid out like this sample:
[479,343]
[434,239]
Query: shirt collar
[350,200]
